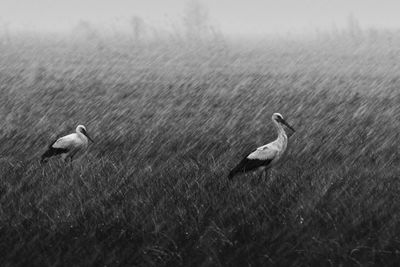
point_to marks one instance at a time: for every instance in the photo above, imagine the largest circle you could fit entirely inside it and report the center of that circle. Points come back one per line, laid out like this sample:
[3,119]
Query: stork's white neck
[282,137]
[81,136]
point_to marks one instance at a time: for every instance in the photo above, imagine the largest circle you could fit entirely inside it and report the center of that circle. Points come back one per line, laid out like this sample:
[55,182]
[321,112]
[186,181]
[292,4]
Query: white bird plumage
[268,155]
[68,146]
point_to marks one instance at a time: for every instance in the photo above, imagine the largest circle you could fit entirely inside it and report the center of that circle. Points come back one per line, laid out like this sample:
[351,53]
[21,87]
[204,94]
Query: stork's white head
[278,119]
[82,129]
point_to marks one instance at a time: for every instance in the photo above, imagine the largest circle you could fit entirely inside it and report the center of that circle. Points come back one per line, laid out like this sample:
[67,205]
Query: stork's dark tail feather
[234,171]
[239,168]
[43,158]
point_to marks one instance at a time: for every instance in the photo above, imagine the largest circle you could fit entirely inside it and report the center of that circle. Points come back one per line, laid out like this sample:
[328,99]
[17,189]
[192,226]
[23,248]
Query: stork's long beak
[288,125]
[92,139]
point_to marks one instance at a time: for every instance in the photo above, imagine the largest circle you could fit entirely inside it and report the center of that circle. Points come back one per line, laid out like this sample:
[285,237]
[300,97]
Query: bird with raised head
[267,155]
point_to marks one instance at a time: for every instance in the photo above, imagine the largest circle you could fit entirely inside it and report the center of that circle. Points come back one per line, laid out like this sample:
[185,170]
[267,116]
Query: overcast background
[230,16]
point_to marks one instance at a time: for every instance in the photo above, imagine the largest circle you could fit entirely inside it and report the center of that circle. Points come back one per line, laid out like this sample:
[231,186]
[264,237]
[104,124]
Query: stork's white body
[273,150]
[76,144]
[266,156]
[69,146]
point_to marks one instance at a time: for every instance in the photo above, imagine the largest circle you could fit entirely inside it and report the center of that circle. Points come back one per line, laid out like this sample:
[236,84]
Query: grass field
[169,121]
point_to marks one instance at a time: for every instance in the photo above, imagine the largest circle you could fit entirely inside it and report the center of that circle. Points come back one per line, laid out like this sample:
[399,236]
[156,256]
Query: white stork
[268,155]
[68,146]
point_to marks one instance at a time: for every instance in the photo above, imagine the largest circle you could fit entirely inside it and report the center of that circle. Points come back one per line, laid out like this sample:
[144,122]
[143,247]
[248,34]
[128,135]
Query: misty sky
[231,16]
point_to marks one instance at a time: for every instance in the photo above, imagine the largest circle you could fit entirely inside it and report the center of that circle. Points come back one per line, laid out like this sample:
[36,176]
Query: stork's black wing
[51,151]
[248,165]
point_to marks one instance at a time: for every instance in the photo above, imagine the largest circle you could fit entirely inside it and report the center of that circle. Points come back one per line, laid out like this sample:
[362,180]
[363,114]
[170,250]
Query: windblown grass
[169,122]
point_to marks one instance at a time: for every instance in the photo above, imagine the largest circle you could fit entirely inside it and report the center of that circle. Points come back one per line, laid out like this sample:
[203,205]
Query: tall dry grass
[169,122]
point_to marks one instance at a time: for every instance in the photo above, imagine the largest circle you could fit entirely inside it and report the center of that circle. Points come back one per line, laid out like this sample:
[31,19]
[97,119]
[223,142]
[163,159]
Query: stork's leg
[71,156]
[266,174]
[262,176]
[70,166]
[272,176]
[68,159]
